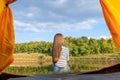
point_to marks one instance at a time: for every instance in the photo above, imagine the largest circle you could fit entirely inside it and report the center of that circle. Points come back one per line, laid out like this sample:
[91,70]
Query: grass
[29,59]
[36,64]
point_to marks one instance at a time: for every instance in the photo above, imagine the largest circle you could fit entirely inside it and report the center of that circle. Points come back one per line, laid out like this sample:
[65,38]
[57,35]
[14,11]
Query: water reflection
[91,64]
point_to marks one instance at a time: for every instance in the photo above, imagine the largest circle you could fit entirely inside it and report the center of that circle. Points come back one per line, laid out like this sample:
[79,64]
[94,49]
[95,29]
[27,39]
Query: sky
[40,20]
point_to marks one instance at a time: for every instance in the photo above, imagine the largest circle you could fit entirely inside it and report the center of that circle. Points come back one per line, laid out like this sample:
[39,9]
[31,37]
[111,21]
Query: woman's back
[63,58]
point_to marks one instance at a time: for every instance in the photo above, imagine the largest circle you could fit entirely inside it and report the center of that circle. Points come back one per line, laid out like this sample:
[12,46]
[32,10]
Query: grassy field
[28,59]
[36,59]
[36,64]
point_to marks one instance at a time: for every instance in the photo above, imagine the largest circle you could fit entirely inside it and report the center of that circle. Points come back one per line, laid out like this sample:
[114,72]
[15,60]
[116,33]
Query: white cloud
[62,10]
[50,26]
[105,37]
[59,2]
[81,9]
[22,26]
[30,15]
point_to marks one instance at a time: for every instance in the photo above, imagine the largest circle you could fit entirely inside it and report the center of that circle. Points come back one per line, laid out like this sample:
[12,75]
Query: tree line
[77,46]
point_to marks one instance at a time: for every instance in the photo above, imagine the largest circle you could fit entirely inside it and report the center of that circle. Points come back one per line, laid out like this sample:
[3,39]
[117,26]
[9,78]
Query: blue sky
[40,20]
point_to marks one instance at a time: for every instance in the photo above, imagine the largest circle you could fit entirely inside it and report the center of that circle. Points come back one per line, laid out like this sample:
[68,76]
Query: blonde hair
[57,47]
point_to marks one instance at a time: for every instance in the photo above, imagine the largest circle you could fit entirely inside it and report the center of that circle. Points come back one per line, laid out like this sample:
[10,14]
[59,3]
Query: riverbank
[37,64]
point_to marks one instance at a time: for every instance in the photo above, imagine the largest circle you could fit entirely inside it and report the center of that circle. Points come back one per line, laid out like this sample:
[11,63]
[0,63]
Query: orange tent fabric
[111,11]
[6,34]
